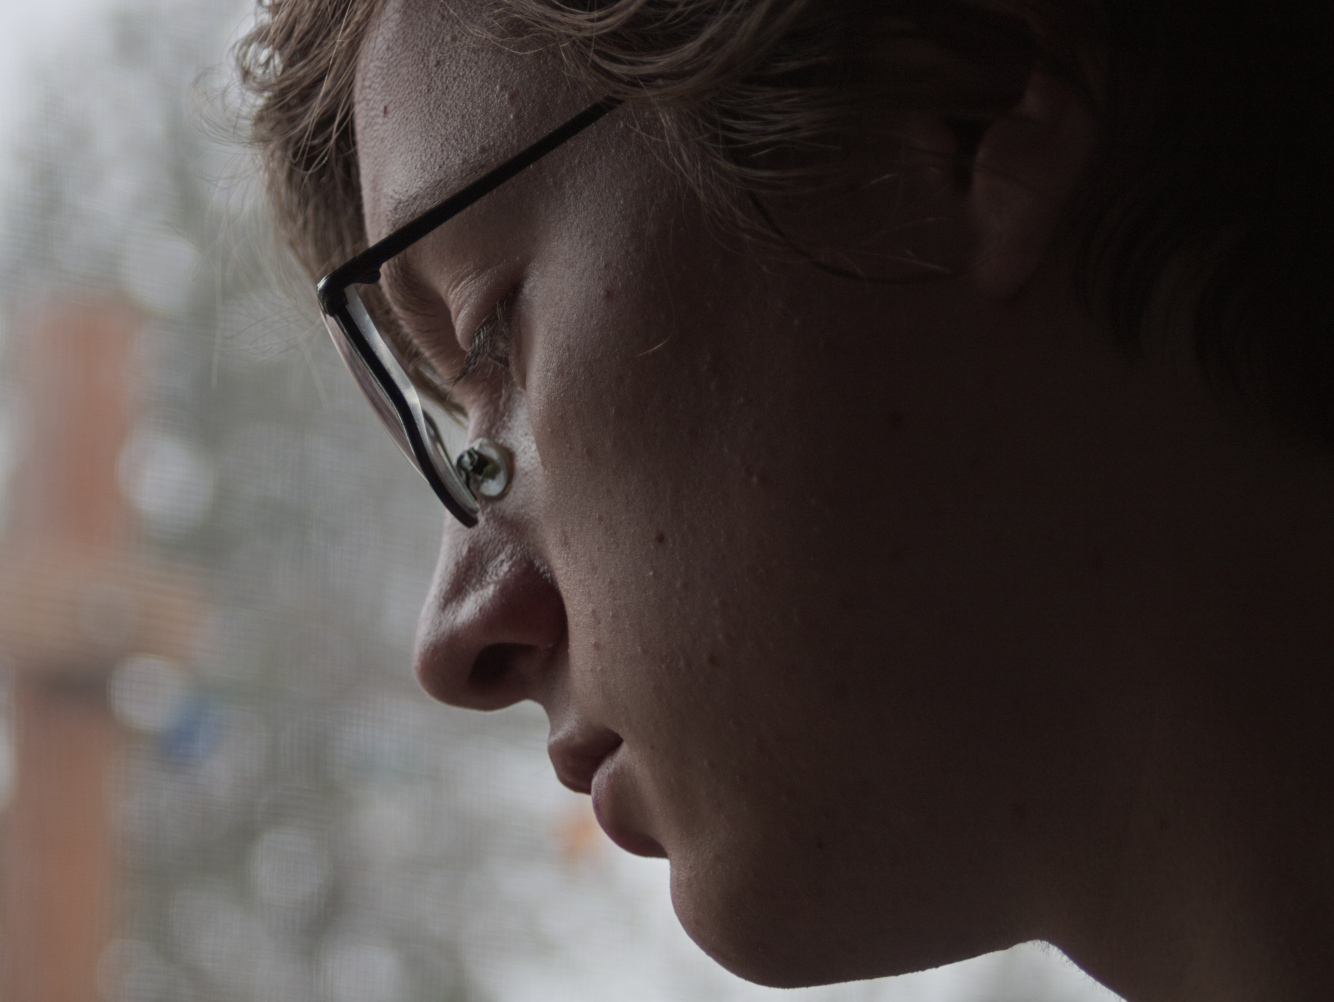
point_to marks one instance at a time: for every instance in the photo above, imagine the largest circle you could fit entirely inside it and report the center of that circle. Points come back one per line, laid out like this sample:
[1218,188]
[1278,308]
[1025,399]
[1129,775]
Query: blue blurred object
[193,733]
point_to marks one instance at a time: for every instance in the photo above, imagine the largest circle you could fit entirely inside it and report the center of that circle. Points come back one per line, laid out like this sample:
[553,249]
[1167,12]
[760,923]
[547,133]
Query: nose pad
[486,468]
[492,625]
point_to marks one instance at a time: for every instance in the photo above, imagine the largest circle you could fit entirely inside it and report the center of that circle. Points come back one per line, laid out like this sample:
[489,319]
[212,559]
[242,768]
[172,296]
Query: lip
[609,776]
[591,762]
[578,756]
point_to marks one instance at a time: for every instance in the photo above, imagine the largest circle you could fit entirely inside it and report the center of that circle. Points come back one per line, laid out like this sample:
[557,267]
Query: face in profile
[828,588]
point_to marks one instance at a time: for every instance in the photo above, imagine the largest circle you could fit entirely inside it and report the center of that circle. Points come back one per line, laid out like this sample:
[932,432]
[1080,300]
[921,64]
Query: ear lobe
[1026,165]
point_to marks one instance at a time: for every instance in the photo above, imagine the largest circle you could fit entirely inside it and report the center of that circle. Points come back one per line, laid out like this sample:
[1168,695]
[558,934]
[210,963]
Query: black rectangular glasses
[482,469]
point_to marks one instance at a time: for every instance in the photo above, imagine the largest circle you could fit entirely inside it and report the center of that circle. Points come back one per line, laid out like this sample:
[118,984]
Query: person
[898,446]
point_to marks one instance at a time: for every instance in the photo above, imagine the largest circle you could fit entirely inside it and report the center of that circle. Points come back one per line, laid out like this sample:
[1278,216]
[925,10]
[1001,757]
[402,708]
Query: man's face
[809,574]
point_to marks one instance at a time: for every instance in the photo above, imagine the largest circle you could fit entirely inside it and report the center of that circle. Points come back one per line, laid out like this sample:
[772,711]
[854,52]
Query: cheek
[662,414]
[614,406]
[610,412]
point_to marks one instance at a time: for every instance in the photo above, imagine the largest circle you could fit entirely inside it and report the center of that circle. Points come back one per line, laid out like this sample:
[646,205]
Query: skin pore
[908,621]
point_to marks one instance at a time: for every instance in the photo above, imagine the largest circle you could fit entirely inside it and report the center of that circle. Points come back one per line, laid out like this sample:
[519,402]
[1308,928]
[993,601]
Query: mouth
[578,756]
[609,777]
[589,763]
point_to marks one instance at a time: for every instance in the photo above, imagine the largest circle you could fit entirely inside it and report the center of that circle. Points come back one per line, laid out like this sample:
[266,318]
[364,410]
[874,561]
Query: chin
[786,936]
[755,935]
[763,960]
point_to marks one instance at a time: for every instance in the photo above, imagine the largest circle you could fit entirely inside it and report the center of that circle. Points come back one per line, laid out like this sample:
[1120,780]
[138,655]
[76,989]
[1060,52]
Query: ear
[1026,165]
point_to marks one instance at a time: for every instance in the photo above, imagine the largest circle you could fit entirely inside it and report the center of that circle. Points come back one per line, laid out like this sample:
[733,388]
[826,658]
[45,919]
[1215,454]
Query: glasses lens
[370,386]
[395,400]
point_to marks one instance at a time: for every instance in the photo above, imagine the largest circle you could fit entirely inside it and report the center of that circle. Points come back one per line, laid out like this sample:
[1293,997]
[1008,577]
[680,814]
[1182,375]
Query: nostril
[493,665]
[492,629]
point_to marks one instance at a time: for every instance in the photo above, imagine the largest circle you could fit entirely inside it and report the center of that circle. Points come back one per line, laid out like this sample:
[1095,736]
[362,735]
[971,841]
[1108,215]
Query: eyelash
[490,345]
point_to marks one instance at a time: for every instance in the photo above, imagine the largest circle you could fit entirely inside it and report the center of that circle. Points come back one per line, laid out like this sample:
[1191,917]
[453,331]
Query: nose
[493,625]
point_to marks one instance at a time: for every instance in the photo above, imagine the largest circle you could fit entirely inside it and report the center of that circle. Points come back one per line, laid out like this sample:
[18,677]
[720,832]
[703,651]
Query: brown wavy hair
[1210,195]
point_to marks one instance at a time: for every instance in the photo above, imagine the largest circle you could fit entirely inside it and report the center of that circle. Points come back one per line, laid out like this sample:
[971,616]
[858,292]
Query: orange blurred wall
[67,613]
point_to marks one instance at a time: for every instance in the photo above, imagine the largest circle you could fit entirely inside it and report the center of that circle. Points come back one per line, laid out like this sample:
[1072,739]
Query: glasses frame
[360,343]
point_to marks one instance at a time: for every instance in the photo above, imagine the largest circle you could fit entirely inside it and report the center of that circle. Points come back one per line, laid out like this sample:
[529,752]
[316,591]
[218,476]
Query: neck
[1219,885]
[1222,887]
[1214,878]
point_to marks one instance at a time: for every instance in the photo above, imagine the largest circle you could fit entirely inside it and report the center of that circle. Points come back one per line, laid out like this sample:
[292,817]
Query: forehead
[438,103]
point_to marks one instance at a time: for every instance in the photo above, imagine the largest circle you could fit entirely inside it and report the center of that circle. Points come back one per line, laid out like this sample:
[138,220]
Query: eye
[490,345]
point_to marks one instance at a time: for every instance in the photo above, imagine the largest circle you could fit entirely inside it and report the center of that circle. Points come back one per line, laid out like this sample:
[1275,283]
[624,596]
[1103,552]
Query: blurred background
[218,780]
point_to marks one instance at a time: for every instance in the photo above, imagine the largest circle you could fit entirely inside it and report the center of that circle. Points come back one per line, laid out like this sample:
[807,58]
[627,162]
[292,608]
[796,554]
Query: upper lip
[576,752]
